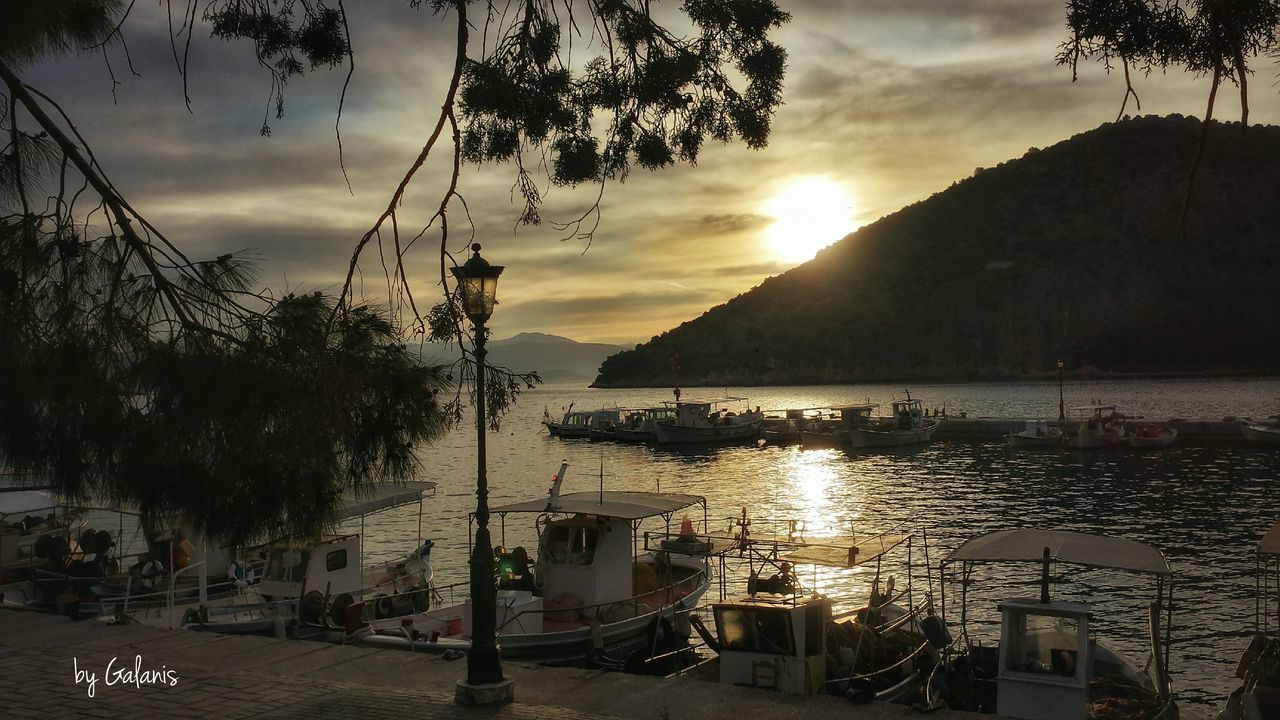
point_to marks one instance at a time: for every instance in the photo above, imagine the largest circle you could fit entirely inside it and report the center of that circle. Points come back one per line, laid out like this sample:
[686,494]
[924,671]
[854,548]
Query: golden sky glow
[886,103]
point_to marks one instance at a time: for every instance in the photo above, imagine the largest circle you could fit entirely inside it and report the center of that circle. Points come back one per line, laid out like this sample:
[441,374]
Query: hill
[1075,252]
[555,358]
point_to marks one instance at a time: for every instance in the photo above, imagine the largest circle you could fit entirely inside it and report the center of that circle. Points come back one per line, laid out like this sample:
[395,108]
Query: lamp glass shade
[478,284]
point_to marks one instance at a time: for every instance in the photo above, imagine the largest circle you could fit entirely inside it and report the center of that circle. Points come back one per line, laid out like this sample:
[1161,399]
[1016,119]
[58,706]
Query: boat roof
[1064,546]
[845,552]
[1270,543]
[704,401]
[610,503]
[383,497]
[862,406]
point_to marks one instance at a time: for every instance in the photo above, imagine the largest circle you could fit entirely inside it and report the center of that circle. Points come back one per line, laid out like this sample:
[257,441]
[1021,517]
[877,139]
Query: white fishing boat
[589,590]
[309,580]
[908,425]
[570,424]
[50,558]
[1148,436]
[1099,426]
[1037,433]
[1260,433]
[640,425]
[1258,697]
[603,422]
[710,422]
[834,427]
[1048,665]
[784,637]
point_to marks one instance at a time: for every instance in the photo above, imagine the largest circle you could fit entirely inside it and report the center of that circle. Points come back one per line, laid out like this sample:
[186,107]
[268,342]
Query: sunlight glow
[809,213]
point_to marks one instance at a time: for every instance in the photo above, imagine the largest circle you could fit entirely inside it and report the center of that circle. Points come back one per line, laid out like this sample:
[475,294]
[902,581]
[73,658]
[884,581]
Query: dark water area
[1205,507]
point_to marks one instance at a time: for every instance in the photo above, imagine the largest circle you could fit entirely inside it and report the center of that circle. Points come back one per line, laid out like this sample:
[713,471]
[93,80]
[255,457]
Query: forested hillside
[1076,252]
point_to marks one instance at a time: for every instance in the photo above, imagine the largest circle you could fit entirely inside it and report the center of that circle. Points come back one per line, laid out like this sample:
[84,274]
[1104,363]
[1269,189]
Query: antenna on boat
[553,495]
[1044,577]
[675,364]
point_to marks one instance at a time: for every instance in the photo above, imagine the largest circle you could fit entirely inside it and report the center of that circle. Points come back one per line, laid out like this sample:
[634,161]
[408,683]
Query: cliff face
[1075,252]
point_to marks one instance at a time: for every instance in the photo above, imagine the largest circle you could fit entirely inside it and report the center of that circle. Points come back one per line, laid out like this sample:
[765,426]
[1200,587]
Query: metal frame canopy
[626,505]
[845,553]
[1065,546]
[383,497]
[1270,543]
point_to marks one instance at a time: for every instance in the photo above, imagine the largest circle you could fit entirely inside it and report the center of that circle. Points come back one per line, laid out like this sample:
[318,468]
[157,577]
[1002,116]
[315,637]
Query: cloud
[896,99]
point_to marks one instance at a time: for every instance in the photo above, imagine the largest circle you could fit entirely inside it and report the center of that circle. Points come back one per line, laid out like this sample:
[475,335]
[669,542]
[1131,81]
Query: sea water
[1204,506]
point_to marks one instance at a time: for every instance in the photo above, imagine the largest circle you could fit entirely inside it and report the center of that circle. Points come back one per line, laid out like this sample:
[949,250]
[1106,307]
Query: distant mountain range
[1079,252]
[555,358]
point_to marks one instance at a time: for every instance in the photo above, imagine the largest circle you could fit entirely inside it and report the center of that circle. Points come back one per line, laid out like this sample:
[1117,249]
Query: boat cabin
[854,415]
[909,414]
[332,564]
[1044,651]
[774,643]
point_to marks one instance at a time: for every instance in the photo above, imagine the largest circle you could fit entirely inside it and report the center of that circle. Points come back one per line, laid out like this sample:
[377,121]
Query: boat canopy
[1064,546]
[845,552]
[383,497]
[611,503]
[863,406]
[1270,543]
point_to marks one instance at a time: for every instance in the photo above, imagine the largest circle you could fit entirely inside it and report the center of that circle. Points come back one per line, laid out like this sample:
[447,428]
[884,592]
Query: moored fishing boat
[1047,664]
[585,592]
[640,425]
[1037,433]
[908,425]
[1148,436]
[786,637]
[709,422]
[302,580]
[1099,426]
[1260,433]
[1259,666]
[834,431]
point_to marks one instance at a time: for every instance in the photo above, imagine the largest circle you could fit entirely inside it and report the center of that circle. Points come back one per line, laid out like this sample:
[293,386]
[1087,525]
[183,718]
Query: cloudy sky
[886,103]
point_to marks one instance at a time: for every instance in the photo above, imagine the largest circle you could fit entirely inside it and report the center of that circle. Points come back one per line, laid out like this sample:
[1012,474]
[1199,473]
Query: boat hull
[1020,440]
[572,646]
[1261,433]
[867,437]
[719,434]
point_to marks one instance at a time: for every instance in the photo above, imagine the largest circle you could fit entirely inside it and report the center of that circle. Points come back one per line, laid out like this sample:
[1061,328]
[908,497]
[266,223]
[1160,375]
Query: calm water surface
[1205,507]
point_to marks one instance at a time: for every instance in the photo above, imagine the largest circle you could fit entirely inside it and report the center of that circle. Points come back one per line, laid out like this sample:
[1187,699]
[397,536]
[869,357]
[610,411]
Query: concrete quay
[995,428]
[48,665]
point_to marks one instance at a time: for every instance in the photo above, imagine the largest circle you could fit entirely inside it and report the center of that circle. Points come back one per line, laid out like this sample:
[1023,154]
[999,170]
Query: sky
[886,103]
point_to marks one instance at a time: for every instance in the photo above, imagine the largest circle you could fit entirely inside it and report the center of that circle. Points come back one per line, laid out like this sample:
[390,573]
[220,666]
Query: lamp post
[485,683]
[1062,411]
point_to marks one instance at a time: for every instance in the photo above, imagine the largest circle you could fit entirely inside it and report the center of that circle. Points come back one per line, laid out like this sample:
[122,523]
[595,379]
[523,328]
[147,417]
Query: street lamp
[485,683]
[1062,412]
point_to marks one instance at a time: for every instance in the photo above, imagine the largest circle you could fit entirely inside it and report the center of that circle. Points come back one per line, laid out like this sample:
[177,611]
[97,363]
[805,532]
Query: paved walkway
[227,678]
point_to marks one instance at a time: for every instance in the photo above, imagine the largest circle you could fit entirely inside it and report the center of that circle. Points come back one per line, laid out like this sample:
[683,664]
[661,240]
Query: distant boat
[707,422]
[822,433]
[908,425]
[1257,432]
[1148,436]
[640,425]
[1100,427]
[603,422]
[576,424]
[1037,433]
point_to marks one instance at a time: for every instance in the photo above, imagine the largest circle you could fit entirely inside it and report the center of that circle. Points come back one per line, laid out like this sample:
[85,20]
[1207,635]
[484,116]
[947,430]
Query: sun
[809,213]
